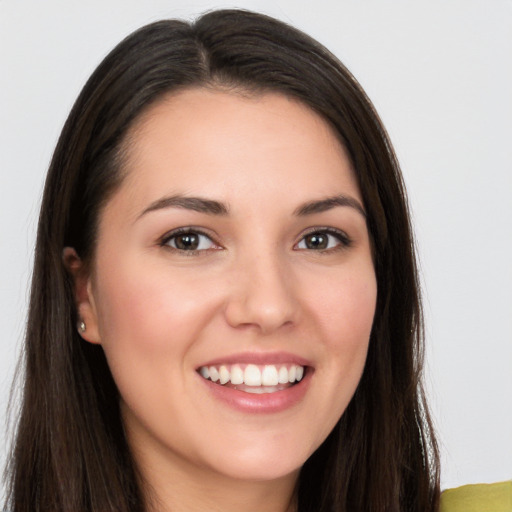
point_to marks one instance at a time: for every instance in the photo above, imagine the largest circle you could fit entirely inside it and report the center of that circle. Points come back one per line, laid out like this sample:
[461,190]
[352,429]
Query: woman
[225,309]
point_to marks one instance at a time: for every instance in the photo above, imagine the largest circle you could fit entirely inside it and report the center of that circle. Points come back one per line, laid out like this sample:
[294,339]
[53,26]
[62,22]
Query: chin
[261,463]
[262,471]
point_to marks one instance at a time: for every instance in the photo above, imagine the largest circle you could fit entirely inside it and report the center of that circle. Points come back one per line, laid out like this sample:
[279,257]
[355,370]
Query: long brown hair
[70,452]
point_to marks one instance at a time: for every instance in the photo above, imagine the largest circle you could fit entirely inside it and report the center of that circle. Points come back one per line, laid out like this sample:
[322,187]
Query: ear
[84,298]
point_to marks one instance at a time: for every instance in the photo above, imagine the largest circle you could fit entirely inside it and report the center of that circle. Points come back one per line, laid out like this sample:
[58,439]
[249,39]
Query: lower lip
[260,403]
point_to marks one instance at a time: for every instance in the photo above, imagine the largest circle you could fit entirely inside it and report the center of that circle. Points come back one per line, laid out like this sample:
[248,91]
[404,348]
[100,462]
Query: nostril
[264,315]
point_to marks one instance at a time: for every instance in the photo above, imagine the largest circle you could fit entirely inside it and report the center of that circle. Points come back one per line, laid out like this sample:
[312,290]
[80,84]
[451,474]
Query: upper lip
[258,358]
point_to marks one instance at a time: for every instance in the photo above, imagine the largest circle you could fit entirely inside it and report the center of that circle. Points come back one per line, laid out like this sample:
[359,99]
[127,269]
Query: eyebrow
[328,203]
[212,207]
[197,204]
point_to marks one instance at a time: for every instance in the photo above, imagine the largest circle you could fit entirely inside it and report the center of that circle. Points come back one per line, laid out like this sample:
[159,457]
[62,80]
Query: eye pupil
[187,242]
[316,241]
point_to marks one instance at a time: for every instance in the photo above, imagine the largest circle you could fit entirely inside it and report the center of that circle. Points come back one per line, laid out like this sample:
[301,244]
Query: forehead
[215,143]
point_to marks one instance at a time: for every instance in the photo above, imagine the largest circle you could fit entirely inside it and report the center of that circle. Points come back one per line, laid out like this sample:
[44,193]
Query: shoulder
[478,498]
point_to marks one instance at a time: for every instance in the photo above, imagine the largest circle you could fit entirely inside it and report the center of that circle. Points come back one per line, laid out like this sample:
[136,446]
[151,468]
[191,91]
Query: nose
[262,295]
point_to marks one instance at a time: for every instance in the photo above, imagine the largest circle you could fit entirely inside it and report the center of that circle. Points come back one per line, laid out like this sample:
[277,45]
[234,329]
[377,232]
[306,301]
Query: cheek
[345,309]
[149,314]
[149,318]
[342,305]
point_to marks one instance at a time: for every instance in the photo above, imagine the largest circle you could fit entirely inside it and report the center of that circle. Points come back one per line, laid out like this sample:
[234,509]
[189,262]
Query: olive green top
[478,498]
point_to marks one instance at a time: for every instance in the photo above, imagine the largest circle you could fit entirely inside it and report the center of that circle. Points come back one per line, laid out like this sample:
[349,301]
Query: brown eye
[316,241]
[324,240]
[189,241]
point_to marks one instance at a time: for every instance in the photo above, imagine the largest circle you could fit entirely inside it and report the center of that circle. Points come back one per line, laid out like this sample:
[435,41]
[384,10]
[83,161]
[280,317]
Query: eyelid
[342,236]
[164,240]
[344,240]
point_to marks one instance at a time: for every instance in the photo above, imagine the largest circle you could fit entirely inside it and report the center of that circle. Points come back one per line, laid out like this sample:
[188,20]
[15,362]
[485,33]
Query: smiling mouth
[251,378]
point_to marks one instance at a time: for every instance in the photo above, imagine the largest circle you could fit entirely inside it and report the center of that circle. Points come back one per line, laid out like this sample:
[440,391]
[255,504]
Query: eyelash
[341,237]
[164,241]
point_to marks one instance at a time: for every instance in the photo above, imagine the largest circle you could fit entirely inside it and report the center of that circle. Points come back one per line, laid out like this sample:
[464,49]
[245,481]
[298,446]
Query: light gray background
[439,73]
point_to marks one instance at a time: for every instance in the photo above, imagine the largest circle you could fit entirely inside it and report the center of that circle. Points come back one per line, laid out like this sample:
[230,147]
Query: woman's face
[235,249]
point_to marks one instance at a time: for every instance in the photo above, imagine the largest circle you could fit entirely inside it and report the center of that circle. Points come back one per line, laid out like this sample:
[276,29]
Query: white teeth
[237,375]
[260,378]
[252,375]
[260,390]
[223,374]
[269,376]
[214,374]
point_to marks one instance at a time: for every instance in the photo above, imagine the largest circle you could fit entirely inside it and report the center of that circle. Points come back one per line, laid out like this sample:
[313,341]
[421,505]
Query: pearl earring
[81,326]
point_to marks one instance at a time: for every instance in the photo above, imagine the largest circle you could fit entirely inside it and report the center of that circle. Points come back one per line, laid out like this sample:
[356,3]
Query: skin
[254,287]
